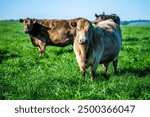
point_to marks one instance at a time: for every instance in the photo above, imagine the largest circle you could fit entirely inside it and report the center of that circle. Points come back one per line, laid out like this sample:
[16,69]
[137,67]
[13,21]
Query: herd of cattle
[94,43]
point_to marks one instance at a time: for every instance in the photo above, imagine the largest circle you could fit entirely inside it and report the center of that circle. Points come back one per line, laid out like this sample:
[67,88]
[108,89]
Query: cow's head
[103,17]
[83,30]
[99,18]
[28,24]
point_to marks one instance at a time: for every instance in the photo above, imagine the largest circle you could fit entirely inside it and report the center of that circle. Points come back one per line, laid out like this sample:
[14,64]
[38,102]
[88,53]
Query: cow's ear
[73,24]
[34,21]
[96,15]
[94,22]
[21,20]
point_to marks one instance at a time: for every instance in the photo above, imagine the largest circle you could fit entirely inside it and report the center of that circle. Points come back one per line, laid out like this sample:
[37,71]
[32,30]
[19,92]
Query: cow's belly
[59,39]
[60,42]
[111,51]
[109,56]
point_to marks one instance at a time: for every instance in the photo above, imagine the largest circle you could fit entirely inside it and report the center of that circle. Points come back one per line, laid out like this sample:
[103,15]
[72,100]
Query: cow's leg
[42,48]
[115,62]
[81,64]
[82,70]
[93,69]
[105,68]
[83,73]
[41,51]
[92,75]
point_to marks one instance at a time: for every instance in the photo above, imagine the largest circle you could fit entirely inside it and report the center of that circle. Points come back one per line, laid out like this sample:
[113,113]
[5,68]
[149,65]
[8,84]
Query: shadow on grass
[131,39]
[62,51]
[4,55]
[138,72]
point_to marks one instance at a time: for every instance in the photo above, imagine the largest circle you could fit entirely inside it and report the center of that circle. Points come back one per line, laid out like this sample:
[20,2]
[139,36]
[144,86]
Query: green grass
[25,75]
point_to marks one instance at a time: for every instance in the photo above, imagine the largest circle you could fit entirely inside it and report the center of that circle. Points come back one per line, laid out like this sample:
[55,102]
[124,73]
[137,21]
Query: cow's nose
[86,41]
[26,31]
[83,41]
[80,41]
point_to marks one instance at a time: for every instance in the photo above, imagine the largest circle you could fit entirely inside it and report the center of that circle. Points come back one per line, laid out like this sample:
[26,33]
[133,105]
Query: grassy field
[25,75]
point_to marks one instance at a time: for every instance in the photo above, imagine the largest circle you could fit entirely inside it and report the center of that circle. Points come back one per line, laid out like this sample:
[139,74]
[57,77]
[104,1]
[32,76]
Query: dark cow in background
[49,32]
[95,45]
[103,17]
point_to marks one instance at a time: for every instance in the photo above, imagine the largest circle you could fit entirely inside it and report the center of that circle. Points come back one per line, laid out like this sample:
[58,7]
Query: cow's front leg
[41,51]
[81,63]
[93,69]
[42,48]
[83,74]
[83,71]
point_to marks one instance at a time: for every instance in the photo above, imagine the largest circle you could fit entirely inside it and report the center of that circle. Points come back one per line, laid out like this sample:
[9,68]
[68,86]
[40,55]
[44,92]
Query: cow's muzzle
[83,41]
[26,31]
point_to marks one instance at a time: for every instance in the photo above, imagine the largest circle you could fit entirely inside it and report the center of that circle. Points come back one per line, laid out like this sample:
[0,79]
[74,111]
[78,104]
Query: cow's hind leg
[92,75]
[115,62]
[105,68]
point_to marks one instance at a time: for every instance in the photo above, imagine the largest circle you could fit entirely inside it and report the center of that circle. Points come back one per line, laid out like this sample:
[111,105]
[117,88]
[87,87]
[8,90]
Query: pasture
[56,76]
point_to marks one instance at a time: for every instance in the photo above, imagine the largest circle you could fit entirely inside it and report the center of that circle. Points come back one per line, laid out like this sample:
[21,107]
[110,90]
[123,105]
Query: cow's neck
[37,30]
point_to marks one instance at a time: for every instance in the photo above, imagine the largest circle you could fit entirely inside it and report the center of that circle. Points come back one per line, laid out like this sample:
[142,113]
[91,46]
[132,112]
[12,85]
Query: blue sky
[67,9]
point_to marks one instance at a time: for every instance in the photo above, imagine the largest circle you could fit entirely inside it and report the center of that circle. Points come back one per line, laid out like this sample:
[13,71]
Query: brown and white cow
[49,32]
[103,17]
[95,45]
